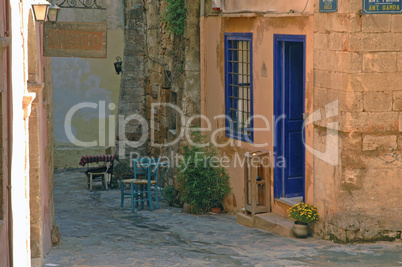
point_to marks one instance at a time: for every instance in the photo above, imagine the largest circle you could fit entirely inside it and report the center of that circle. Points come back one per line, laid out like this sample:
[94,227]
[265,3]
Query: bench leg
[90,182]
[109,179]
[105,179]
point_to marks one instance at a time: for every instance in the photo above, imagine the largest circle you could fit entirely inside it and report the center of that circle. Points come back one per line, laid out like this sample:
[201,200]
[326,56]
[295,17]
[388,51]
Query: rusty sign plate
[72,39]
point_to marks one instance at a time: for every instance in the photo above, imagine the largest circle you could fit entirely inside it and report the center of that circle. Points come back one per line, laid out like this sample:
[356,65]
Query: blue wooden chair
[144,186]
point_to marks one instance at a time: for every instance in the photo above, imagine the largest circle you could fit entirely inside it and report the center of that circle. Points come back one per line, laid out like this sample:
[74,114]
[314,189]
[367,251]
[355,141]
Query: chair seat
[138,181]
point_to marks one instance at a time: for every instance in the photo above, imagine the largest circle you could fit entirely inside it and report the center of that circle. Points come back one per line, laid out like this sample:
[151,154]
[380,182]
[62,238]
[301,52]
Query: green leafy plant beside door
[203,183]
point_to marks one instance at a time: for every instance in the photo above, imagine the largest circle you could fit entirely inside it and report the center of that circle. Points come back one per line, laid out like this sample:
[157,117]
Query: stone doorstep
[245,220]
[267,221]
[290,201]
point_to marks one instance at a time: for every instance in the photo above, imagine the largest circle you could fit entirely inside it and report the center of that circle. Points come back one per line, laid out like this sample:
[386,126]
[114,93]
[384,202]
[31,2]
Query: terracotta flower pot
[300,230]
[216,210]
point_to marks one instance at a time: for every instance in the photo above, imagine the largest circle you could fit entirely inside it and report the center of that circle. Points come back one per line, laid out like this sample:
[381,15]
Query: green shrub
[202,184]
[175,16]
[169,194]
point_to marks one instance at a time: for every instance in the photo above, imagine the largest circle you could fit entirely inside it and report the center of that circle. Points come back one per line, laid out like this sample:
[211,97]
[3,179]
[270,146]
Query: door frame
[279,190]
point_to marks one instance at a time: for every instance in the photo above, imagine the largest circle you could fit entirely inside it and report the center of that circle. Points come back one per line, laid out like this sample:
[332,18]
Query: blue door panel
[295,80]
[295,149]
[289,101]
[293,187]
[292,125]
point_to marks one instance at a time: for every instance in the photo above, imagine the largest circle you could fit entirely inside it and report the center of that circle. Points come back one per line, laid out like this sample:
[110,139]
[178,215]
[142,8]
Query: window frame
[231,133]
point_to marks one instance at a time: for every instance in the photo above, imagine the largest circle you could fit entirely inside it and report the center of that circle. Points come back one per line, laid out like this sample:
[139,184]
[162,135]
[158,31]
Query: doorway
[289,96]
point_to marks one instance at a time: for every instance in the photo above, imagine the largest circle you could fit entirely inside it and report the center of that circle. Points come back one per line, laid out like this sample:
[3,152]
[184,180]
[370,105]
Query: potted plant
[202,182]
[302,214]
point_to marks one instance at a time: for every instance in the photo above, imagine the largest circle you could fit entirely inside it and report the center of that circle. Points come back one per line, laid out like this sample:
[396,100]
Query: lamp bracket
[83,4]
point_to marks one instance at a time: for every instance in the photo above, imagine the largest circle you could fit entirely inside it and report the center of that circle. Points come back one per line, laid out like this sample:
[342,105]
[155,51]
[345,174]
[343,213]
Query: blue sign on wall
[328,6]
[382,7]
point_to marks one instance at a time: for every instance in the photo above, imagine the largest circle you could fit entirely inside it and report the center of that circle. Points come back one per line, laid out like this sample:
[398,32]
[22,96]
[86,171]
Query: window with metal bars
[239,86]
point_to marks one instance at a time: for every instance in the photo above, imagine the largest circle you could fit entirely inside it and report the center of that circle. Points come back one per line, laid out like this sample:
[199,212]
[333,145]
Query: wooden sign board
[74,39]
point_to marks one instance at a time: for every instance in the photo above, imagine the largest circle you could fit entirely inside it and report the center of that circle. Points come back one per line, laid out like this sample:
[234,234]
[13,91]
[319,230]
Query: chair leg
[147,200]
[132,195]
[122,192]
[137,197]
[142,196]
[151,206]
[156,196]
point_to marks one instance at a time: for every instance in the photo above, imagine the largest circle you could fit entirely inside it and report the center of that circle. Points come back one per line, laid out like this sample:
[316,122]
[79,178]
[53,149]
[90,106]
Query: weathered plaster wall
[40,145]
[213,96]
[4,175]
[274,6]
[4,195]
[88,80]
[50,231]
[357,61]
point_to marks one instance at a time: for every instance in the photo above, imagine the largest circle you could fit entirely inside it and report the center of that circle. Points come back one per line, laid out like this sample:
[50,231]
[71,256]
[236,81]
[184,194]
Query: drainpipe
[202,37]
[202,8]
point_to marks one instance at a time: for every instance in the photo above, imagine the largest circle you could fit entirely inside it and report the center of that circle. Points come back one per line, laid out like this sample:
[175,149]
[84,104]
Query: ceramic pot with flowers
[300,229]
[302,214]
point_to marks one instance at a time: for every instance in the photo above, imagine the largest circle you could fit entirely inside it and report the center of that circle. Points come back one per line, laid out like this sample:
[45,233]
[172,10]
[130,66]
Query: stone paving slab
[95,231]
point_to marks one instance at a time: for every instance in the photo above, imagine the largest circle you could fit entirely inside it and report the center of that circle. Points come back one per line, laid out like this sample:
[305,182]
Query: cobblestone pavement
[95,231]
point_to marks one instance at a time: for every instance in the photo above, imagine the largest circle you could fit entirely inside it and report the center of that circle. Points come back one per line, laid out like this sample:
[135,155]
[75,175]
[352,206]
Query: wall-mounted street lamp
[40,9]
[53,12]
[118,65]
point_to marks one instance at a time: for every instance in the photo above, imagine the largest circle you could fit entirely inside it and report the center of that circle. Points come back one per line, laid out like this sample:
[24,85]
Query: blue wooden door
[289,108]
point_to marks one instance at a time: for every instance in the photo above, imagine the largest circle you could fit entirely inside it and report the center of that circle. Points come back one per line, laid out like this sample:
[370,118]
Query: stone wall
[173,69]
[357,61]
[159,69]
[132,90]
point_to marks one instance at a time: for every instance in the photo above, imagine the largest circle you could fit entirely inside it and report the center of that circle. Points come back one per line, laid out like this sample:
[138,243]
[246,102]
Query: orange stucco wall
[269,5]
[213,86]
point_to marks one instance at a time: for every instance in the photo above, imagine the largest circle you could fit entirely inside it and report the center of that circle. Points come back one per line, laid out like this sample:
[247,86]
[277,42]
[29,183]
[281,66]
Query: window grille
[239,91]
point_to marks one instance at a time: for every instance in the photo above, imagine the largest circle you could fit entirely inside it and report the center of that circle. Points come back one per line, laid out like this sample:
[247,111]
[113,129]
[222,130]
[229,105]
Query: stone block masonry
[172,77]
[132,91]
[158,69]
[359,199]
